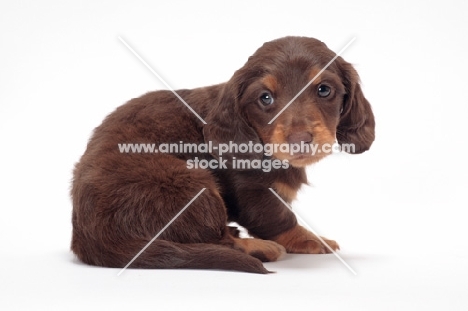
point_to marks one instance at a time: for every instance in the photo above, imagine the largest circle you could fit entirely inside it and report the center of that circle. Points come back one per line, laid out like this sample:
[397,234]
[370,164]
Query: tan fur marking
[298,240]
[313,74]
[285,191]
[270,82]
[278,135]
[321,133]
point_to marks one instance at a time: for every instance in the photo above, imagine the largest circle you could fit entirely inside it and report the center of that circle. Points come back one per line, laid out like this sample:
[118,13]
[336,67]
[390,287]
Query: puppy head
[267,102]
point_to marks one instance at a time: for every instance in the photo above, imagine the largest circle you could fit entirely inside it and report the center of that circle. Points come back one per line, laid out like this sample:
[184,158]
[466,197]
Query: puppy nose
[298,138]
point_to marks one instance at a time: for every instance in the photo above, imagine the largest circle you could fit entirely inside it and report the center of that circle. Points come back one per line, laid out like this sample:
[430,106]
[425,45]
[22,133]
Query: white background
[397,210]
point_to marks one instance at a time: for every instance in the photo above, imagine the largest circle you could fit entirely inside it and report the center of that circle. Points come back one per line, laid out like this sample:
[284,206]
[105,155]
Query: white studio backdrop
[63,69]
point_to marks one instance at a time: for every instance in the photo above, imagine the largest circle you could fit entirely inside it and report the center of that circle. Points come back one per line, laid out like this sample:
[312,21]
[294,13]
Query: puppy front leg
[266,217]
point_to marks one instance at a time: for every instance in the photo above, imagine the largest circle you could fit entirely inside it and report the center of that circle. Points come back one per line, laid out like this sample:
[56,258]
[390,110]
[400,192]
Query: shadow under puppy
[122,200]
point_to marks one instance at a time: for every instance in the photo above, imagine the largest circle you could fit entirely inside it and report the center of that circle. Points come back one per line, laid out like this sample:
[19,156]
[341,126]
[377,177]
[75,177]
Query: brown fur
[122,200]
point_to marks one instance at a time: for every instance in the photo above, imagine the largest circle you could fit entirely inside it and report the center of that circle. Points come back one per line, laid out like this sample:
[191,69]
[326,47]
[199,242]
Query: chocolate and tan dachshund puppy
[121,200]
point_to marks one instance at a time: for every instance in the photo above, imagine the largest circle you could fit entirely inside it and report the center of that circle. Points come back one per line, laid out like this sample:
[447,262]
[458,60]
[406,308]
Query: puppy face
[309,122]
[270,97]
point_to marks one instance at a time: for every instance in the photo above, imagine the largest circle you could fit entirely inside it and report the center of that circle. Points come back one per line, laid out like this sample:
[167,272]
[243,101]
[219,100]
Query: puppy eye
[266,98]
[324,90]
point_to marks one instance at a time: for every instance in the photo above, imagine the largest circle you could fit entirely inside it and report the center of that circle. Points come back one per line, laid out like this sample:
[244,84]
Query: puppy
[122,200]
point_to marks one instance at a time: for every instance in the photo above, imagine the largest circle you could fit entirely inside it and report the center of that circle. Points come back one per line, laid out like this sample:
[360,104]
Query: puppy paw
[332,244]
[313,246]
[261,249]
[300,241]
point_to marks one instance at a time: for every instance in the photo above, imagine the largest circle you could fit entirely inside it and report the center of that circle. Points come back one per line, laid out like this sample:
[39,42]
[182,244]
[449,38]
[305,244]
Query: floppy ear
[226,122]
[357,124]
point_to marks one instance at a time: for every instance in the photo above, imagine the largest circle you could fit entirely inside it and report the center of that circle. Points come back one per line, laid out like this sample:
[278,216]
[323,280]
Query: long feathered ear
[226,122]
[357,124]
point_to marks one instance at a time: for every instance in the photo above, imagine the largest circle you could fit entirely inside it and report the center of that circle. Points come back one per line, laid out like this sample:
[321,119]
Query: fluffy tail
[163,254]
[169,255]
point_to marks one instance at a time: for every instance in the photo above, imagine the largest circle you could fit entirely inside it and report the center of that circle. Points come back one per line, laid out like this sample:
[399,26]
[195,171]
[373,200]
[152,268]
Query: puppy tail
[163,254]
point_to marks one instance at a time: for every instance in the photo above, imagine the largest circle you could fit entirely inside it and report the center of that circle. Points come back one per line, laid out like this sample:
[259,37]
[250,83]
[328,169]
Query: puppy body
[122,200]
